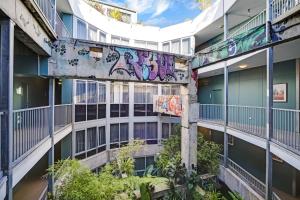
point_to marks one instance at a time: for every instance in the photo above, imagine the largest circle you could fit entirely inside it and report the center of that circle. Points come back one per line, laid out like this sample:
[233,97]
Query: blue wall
[248,87]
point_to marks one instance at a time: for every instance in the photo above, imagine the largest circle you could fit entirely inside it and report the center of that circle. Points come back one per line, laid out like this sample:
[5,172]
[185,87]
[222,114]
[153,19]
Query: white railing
[30,126]
[60,28]
[286,128]
[62,116]
[249,119]
[280,7]
[251,180]
[49,11]
[252,120]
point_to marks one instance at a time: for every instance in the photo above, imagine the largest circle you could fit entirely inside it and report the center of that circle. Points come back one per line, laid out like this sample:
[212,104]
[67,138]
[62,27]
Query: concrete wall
[248,87]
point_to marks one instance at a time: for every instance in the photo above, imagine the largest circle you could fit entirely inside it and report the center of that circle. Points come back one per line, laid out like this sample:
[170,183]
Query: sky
[161,13]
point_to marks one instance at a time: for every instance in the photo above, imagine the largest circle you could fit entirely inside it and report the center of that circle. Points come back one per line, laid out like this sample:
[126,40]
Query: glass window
[186,46]
[124,132]
[91,112]
[81,30]
[102,137]
[80,91]
[152,45]
[114,110]
[124,41]
[151,133]
[91,138]
[80,141]
[92,34]
[101,111]
[124,110]
[80,113]
[166,47]
[92,92]
[165,130]
[119,135]
[175,90]
[101,93]
[176,46]
[166,90]
[114,133]
[140,43]
[139,131]
[102,37]
[115,40]
[139,93]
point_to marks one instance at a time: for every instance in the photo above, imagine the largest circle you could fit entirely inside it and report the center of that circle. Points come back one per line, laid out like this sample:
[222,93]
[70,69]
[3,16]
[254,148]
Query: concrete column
[131,111]
[225,95]
[51,130]
[107,126]
[189,124]
[73,118]
[269,105]
[6,100]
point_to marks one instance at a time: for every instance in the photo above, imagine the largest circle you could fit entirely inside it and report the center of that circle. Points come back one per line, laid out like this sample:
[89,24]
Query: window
[165,130]
[142,163]
[118,135]
[186,46]
[92,33]
[90,103]
[145,44]
[146,131]
[90,141]
[152,45]
[166,47]
[176,46]
[119,40]
[102,37]
[119,99]
[143,99]
[81,30]
[140,44]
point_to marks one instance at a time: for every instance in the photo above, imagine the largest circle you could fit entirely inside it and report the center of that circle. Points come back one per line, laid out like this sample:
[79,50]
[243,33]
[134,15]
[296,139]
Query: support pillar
[225,96]
[269,105]
[73,119]
[189,125]
[6,100]
[51,129]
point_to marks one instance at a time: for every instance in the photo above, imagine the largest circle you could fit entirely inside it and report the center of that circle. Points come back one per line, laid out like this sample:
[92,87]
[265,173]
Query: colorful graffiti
[250,40]
[168,104]
[76,58]
[145,65]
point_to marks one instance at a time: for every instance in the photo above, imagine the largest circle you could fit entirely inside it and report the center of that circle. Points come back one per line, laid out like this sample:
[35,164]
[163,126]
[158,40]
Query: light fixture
[242,66]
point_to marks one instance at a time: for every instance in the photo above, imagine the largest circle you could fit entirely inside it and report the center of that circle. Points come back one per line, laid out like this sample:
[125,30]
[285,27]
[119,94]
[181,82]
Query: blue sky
[161,12]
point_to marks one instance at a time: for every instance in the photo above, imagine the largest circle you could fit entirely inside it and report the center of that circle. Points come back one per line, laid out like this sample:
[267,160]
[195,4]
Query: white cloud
[158,21]
[156,7]
[161,7]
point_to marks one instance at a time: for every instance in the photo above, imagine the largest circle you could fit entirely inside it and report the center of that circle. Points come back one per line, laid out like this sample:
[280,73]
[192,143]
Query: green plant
[146,190]
[116,14]
[235,196]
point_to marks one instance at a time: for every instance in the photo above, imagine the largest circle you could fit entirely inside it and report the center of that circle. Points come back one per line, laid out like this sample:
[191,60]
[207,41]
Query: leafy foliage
[116,14]
[204,4]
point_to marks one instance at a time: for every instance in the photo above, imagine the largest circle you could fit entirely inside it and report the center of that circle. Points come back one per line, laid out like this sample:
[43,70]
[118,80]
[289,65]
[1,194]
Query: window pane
[115,40]
[140,43]
[150,110]
[152,45]
[175,90]
[166,47]
[101,111]
[91,138]
[102,137]
[139,164]
[151,130]
[124,132]
[139,110]
[102,37]
[176,46]
[91,112]
[124,41]
[149,161]
[114,133]
[165,130]
[139,131]
[115,93]
[125,94]
[80,113]
[139,93]
[80,91]
[124,110]
[150,91]
[114,110]
[80,141]
[101,93]
[92,34]
[186,47]
[165,89]
[92,92]
[81,30]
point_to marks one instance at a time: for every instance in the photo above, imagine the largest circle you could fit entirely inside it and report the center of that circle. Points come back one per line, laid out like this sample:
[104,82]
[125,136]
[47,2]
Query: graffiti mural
[75,58]
[168,104]
[250,40]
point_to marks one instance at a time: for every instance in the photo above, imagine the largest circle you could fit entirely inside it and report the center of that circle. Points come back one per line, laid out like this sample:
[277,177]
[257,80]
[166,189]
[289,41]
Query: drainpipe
[225,94]
[269,104]
[51,130]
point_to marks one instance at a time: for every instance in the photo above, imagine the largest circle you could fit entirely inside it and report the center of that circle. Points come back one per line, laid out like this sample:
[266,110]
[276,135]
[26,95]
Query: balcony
[31,127]
[252,120]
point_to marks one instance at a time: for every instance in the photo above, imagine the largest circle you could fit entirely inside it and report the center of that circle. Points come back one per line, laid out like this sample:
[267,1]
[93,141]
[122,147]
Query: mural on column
[168,104]
[81,59]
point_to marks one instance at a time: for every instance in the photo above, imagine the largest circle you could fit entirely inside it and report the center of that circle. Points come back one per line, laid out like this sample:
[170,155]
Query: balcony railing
[280,7]
[252,120]
[31,126]
[1,114]
[48,9]
[62,116]
[60,28]
[257,185]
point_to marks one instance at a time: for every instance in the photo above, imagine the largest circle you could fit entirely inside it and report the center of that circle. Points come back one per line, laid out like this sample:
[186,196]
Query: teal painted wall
[68,21]
[252,159]
[66,147]
[248,87]
[66,91]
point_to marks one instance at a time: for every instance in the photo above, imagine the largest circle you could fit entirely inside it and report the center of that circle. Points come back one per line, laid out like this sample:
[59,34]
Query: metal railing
[62,116]
[275,196]
[251,180]
[49,11]
[280,7]
[249,119]
[252,120]
[212,112]
[30,126]
[286,128]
